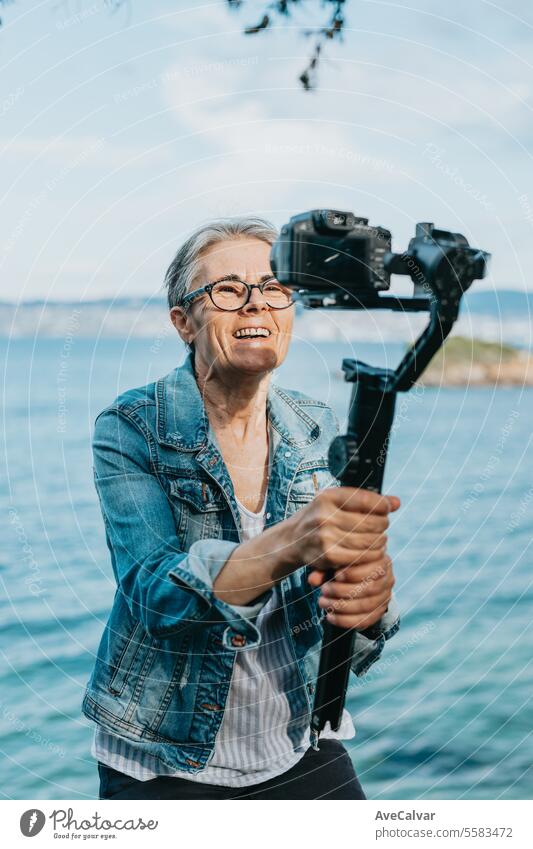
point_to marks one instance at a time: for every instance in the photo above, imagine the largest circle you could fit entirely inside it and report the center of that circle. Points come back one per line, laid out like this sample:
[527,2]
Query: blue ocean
[447,713]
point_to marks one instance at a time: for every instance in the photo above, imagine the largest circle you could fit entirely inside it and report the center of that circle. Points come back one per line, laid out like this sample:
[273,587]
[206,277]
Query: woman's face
[213,330]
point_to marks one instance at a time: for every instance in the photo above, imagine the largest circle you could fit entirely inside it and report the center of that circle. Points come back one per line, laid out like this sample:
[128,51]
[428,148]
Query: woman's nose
[257,301]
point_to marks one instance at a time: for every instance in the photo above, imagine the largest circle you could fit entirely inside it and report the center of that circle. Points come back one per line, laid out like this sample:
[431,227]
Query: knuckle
[374,571]
[368,500]
[377,541]
[350,573]
[328,556]
[322,536]
[355,591]
[378,555]
[381,523]
[355,559]
[329,590]
[376,503]
[367,605]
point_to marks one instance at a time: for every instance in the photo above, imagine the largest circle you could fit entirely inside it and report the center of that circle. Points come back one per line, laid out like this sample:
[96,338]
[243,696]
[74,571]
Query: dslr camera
[326,252]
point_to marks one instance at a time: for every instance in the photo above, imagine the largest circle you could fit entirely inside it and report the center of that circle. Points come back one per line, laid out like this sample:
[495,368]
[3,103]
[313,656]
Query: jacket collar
[182,421]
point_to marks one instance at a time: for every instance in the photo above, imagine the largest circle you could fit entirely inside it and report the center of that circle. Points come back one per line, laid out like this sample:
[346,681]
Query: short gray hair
[184,268]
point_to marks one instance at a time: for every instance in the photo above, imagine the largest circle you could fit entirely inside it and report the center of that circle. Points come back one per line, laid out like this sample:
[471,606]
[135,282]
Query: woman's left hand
[357,596]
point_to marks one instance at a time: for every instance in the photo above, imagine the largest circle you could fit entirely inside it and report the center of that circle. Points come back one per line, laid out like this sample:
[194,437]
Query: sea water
[447,711]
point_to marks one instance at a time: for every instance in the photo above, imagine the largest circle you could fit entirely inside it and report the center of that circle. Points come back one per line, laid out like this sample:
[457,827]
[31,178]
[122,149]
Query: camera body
[336,259]
[326,249]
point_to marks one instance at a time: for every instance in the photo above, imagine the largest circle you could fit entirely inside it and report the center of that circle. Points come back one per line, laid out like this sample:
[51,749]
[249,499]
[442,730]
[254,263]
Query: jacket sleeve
[167,589]
[369,644]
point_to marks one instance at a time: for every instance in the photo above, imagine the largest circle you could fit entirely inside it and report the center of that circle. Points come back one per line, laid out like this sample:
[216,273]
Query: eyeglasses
[231,293]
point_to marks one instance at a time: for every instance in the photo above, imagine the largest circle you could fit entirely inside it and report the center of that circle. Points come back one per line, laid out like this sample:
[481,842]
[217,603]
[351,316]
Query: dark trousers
[324,774]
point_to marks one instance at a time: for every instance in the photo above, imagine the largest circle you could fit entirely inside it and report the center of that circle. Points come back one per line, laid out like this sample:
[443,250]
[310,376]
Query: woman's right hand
[343,526]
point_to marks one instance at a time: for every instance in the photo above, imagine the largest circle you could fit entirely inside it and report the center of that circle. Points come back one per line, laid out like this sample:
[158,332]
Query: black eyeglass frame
[208,288]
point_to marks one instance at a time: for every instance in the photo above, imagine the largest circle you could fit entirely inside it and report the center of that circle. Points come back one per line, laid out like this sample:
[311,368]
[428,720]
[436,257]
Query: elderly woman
[223,520]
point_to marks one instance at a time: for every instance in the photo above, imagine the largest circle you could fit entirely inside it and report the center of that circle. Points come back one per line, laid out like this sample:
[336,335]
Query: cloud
[92,150]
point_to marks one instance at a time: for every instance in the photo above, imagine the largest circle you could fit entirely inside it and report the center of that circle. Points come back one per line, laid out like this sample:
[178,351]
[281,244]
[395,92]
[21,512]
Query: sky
[120,133]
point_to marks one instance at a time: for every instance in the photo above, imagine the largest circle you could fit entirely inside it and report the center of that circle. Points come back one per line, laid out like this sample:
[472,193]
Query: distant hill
[471,362]
[487,301]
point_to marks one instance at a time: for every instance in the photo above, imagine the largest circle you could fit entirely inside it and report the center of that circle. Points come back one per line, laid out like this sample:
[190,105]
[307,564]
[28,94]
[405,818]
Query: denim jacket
[165,660]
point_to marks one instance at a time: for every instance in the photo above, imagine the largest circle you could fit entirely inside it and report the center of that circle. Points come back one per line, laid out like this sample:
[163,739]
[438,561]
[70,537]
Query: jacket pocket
[311,477]
[200,495]
[198,508]
[126,660]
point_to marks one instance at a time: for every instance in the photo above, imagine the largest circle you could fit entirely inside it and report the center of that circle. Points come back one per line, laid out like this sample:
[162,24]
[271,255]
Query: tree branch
[332,29]
[278,8]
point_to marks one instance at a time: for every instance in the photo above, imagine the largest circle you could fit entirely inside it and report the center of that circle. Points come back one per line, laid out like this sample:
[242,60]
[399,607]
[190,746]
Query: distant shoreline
[491,315]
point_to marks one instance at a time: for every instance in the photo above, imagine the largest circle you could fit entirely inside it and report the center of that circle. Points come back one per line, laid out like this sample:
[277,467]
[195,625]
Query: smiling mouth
[252,333]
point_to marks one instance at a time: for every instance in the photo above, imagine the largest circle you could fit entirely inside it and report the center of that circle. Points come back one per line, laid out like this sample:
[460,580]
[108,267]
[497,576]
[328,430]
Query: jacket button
[238,640]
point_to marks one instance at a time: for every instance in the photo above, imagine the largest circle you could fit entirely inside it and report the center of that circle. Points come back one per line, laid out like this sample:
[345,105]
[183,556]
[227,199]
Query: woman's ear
[180,320]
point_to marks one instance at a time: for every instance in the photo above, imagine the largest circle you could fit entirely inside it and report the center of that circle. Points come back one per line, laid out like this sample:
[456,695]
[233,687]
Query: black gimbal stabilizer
[334,260]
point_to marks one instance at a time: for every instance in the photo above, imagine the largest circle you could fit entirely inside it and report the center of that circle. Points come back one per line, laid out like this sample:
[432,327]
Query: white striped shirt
[252,744]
